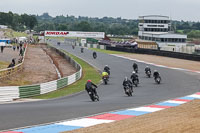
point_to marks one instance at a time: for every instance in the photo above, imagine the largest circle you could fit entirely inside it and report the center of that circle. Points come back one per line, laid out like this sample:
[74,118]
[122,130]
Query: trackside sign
[75,34]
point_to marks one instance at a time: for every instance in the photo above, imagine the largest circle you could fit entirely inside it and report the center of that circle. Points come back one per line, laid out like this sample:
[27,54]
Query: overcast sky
[131,9]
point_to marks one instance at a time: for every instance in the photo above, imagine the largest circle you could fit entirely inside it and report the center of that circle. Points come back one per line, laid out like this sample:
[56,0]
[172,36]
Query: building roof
[154,17]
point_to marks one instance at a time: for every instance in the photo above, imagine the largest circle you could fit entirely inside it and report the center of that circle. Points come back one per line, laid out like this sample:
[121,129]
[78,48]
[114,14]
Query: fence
[14,92]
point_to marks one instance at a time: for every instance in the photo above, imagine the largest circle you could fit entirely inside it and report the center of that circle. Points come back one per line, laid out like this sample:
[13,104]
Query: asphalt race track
[174,84]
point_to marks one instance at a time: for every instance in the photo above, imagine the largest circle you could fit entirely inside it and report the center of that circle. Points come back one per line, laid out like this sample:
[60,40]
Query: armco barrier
[157,52]
[9,93]
[14,92]
[29,91]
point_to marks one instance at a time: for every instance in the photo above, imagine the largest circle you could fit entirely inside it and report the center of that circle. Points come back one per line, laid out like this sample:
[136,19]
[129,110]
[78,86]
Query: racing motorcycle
[136,70]
[94,55]
[108,71]
[157,79]
[135,82]
[93,97]
[105,80]
[82,50]
[128,90]
[148,73]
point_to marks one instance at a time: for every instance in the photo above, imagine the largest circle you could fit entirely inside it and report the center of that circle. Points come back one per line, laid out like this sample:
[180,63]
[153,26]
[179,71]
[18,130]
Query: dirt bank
[38,68]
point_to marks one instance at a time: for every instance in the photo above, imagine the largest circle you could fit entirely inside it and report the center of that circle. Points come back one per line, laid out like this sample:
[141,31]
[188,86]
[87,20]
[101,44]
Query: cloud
[177,9]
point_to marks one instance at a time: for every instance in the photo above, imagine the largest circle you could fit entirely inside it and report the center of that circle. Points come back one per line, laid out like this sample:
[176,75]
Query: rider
[156,74]
[127,81]
[94,54]
[134,76]
[82,48]
[147,68]
[89,86]
[105,74]
[107,69]
[135,66]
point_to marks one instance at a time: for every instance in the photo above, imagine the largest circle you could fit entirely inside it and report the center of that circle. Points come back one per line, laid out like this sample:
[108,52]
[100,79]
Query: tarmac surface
[174,84]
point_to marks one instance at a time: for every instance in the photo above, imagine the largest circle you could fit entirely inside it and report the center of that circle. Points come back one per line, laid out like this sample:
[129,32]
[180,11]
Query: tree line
[109,25]
[18,22]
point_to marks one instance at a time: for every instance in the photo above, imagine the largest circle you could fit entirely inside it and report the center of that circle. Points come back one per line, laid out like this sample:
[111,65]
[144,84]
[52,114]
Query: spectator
[14,47]
[13,61]
[17,47]
[2,47]
[20,45]
[21,52]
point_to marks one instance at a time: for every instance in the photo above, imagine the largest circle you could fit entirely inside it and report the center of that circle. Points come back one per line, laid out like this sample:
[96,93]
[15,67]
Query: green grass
[107,51]
[180,31]
[88,73]
[10,34]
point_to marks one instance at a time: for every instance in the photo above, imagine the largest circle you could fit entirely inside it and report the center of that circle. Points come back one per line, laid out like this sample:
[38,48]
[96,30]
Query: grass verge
[10,33]
[88,73]
[107,51]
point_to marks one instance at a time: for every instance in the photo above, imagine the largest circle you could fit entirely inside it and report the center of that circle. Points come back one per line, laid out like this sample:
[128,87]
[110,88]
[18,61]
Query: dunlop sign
[75,34]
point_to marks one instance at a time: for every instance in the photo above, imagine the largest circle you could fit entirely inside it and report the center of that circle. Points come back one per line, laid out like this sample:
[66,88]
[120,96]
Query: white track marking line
[85,122]
[146,109]
[177,102]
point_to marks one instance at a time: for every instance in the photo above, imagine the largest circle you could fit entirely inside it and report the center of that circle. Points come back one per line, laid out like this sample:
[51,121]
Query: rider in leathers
[127,82]
[89,86]
[156,74]
[134,76]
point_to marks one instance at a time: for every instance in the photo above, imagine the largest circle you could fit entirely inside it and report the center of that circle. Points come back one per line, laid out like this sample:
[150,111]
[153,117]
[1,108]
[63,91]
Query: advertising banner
[74,34]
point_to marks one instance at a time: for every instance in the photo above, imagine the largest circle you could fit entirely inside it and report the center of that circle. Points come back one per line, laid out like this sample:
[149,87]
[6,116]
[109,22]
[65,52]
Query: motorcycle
[148,73]
[82,50]
[93,97]
[135,82]
[108,71]
[158,80]
[128,90]
[105,80]
[73,46]
[136,70]
[94,55]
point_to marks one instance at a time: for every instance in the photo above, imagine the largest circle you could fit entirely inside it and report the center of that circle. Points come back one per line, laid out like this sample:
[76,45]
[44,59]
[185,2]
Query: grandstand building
[155,28]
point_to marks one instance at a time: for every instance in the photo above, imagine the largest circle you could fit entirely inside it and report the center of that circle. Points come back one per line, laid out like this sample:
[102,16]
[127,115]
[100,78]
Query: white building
[158,29]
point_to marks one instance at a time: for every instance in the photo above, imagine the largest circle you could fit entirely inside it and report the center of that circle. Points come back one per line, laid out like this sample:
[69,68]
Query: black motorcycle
[148,73]
[136,70]
[94,55]
[135,82]
[105,80]
[82,50]
[93,97]
[128,90]
[108,71]
[157,79]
